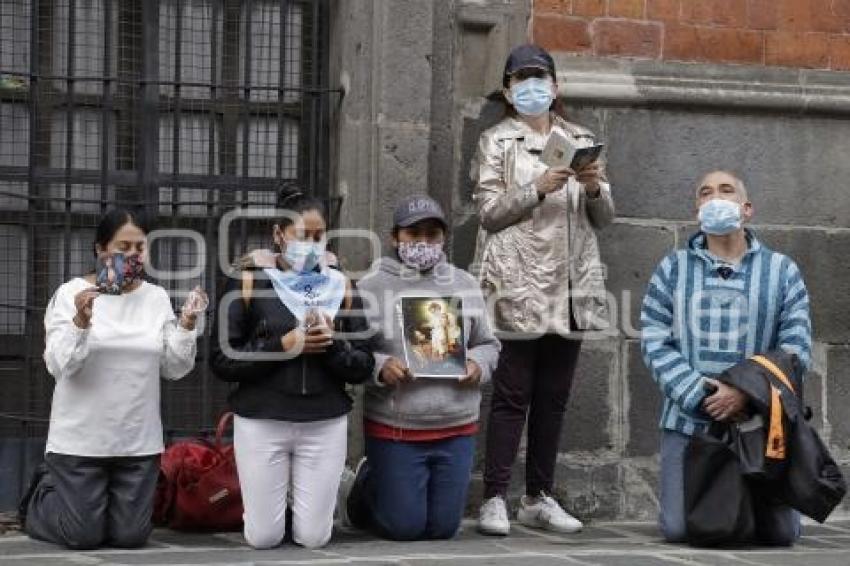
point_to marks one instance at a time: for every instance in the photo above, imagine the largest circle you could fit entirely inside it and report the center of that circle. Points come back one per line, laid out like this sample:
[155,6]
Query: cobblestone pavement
[626,544]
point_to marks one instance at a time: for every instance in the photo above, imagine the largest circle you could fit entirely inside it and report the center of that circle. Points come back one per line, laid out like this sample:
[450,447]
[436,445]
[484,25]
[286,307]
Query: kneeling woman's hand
[196,303]
[314,340]
[84,301]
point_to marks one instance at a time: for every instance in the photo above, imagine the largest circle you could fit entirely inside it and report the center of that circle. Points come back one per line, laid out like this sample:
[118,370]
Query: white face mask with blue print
[532,97]
[720,217]
[303,257]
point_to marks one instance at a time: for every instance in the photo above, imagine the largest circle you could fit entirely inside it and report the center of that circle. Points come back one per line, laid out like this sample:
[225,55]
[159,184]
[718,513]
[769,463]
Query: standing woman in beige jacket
[539,266]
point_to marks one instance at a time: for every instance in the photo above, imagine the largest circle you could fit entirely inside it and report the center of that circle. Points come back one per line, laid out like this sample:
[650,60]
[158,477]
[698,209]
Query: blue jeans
[417,490]
[775,524]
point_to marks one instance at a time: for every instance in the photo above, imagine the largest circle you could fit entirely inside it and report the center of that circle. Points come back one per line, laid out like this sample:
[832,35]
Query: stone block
[813,15]
[356,180]
[644,405]
[839,53]
[562,6]
[590,417]
[405,61]
[472,128]
[481,439]
[727,13]
[797,49]
[624,38]
[631,253]
[842,511]
[561,33]
[593,8]
[827,275]
[356,440]
[838,396]
[640,488]
[657,157]
[590,117]
[762,14]
[663,10]
[463,238]
[351,38]
[626,8]
[684,233]
[715,44]
[589,490]
[402,171]
[474,495]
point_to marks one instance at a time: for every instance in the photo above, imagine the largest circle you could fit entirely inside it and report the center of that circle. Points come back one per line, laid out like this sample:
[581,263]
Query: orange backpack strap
[775,435]
[774,369]
[247,286]
[348,300]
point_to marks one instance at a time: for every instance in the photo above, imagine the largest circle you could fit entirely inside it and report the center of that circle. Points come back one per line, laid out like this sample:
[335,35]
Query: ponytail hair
[291,197]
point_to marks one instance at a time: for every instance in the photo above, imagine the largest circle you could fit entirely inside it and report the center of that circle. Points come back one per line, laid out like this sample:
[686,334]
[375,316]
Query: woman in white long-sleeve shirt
[107,352]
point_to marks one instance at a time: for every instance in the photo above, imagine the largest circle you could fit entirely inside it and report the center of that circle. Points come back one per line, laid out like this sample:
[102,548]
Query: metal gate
[184,108]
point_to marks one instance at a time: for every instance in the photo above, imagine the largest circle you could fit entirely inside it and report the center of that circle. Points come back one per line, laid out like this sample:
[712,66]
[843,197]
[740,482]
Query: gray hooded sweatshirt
[424,403]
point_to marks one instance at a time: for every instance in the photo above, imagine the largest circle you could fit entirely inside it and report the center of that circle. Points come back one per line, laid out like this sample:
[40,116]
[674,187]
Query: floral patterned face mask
[421,256]
[116,272]
[134,269]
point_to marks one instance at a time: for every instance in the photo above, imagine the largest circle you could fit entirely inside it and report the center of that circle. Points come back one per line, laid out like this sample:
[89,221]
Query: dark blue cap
[525,56]
[415,209]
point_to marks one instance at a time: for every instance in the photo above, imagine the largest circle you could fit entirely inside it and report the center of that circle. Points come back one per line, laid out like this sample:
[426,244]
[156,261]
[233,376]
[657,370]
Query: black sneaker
[23,506]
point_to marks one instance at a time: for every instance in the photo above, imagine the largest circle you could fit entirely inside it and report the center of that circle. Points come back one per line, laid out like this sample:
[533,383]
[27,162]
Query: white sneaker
[545,513]
[493,517]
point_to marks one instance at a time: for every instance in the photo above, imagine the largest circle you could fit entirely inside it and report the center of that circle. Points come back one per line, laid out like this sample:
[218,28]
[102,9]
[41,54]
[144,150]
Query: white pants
[268,454]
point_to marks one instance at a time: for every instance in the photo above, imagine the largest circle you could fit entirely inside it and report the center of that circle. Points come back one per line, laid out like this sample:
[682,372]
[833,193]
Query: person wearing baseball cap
[527,57]
[419,429]
[538,263]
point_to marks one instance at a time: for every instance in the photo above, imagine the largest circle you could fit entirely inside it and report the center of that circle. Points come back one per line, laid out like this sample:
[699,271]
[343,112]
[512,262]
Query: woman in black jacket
[295,336]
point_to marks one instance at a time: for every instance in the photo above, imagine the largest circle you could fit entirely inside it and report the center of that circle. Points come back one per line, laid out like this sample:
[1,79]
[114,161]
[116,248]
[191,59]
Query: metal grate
[184,108]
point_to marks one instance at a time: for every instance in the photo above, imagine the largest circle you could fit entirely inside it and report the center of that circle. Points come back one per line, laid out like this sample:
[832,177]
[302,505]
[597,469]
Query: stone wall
[418,74]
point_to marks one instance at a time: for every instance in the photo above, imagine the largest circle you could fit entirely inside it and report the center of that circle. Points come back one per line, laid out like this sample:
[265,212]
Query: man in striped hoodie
[722,299]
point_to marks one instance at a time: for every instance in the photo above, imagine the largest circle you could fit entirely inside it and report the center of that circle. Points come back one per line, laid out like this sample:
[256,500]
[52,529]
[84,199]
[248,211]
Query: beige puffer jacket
[537,261]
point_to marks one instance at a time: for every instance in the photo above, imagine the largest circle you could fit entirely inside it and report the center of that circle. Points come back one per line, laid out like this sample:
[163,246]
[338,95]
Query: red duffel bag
[198,488]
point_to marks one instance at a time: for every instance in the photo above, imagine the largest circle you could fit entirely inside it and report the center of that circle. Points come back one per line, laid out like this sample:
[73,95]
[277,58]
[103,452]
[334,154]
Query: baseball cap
[528,55]
[415,209]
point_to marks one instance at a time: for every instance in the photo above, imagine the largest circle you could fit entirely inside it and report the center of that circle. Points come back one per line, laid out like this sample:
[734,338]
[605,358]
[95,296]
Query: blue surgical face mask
[720,217]
[303,257]
[532,97]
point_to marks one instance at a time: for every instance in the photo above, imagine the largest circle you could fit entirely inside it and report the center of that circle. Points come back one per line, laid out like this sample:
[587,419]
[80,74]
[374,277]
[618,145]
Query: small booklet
[561,152]
[433,336]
